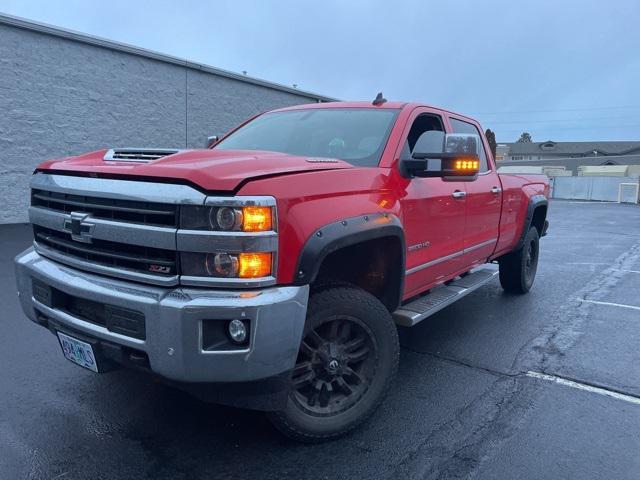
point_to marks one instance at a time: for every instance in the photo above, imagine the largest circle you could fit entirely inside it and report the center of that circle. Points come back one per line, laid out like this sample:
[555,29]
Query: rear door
[433,217]
[484,201]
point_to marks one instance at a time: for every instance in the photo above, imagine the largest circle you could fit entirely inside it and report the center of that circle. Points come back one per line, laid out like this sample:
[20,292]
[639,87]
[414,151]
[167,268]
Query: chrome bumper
[174,319]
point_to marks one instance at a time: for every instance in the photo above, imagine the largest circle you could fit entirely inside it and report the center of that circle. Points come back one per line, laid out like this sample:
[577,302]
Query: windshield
[356,135]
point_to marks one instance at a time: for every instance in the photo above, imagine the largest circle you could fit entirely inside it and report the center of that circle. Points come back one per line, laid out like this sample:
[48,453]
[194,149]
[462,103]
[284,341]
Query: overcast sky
[562,70]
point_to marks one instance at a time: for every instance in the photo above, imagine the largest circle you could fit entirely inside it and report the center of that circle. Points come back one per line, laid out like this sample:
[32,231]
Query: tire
[347,360]
[518,269]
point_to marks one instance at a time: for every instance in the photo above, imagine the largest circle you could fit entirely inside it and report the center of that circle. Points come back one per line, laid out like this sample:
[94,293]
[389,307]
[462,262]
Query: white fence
[606,189]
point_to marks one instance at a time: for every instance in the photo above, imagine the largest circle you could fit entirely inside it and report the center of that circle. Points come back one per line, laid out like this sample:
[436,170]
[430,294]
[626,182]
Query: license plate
[80,353]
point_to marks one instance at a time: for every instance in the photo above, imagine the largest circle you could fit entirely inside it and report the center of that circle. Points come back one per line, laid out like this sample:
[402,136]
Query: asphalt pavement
[496,386]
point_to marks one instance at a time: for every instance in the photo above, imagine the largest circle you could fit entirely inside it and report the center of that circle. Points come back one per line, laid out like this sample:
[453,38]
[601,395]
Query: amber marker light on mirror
[254,265]
[256,219]
[466,165]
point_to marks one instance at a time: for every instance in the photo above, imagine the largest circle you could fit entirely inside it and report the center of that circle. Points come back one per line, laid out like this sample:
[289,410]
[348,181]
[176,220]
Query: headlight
[227,218]
[239,219]
[222,265]
[226,265]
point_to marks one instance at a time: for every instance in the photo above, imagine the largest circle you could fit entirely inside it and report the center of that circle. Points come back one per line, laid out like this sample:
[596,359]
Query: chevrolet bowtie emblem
[78,226]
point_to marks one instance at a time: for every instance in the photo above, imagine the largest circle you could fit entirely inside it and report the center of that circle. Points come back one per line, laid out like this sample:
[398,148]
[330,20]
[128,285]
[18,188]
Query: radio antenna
[379,100]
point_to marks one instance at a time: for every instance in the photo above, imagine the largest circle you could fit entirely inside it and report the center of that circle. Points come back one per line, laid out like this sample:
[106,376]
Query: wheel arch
[536,217]
[351,249]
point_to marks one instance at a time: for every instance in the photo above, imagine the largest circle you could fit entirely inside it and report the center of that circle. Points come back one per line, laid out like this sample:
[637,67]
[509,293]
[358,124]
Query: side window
[423,123]
[463,127]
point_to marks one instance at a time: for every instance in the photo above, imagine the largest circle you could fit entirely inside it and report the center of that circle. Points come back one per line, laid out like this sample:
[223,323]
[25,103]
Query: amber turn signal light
[254,265]
[466,165]
[256,219]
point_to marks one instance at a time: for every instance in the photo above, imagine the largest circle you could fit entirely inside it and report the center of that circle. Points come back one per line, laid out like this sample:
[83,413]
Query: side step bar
[442,296]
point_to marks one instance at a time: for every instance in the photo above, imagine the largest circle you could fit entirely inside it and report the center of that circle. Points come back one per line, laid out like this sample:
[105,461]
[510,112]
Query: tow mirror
[451,156]
[211,140]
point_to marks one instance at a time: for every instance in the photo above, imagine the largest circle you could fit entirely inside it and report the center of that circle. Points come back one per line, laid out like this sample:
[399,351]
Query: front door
[433,217]
[484,201]
[434,221]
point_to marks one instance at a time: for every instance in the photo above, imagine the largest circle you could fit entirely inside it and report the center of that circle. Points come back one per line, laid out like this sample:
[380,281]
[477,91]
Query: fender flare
[344,233]
[534,202]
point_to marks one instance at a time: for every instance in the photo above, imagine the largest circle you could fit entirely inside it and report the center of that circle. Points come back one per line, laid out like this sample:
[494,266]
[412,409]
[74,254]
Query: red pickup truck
[270,269]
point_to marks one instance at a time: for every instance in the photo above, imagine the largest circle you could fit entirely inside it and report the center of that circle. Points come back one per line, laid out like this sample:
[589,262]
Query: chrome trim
[479,245]
[227,282]
[114,231]
[464,251]
[241,201]
[168,238]
[173,317]
[150,153]
[80,205]
[459,194]
[432,263]
[79,219]
[247,201]
[120,189]
[246,349]
[230,242]
[105,270]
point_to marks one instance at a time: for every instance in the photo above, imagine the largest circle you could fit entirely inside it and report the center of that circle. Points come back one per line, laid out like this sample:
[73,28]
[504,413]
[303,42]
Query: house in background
[550,150]
[569,155]
[502,151]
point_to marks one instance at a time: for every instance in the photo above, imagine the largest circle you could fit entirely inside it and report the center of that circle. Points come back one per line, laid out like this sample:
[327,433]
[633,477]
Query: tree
[491,138]
[525,138]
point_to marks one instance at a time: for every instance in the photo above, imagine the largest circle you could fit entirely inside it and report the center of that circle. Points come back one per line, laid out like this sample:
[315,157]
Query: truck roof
[386,105]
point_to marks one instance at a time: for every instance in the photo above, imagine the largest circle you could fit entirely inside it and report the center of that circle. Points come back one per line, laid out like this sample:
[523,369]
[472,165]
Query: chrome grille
[111,254]
[129,229]
[147,213]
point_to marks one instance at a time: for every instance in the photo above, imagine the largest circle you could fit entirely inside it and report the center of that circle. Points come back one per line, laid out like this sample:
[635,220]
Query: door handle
[496,190]
[459,194]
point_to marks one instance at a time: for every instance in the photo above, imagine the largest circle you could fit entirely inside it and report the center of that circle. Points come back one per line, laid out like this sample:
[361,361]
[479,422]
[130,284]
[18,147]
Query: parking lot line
[610,304]
[585,387]
[588,263]
[628,271]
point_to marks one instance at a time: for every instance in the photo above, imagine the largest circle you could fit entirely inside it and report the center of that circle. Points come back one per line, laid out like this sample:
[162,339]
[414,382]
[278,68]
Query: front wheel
[347,360]
[518,269]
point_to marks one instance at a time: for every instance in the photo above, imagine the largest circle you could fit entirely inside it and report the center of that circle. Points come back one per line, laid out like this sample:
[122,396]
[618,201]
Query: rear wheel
[347,360]
[518,269]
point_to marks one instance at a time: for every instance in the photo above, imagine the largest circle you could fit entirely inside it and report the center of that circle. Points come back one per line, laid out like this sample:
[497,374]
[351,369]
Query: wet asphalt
[464,404]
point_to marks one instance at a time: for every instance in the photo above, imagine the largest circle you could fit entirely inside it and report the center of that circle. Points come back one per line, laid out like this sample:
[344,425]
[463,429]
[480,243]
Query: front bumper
[174,321]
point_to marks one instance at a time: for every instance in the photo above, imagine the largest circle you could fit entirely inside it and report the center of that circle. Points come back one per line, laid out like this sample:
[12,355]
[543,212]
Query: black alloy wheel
[335,366]
[347,359]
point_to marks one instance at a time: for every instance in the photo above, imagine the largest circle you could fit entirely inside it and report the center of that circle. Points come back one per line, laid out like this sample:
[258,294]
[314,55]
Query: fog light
[237,331]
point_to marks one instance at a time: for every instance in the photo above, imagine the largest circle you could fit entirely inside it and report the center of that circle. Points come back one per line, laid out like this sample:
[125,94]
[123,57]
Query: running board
[442,296]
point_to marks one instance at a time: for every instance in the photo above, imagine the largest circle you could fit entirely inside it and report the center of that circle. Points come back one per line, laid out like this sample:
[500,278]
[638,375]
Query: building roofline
[52,30]
[603,158]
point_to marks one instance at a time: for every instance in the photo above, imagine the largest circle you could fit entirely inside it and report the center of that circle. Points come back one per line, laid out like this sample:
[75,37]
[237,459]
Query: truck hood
[212,170]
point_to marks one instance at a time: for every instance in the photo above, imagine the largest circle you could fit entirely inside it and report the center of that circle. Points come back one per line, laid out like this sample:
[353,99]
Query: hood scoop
[140,155]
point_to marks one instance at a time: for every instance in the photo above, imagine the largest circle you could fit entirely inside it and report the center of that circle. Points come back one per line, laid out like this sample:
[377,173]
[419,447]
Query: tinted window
[356,135]
[464,127]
